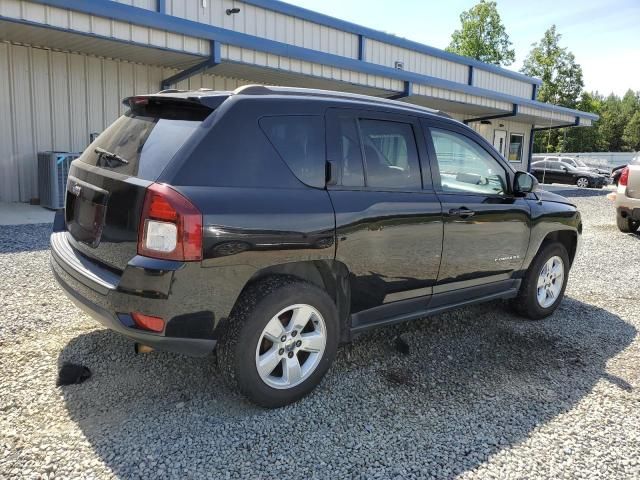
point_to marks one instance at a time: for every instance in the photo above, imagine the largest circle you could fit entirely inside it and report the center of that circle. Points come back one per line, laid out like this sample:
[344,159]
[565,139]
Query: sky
[603,35]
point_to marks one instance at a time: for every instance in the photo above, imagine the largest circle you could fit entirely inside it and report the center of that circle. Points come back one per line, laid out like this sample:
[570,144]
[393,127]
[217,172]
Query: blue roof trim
[196,56]
[148,18]
[329,21]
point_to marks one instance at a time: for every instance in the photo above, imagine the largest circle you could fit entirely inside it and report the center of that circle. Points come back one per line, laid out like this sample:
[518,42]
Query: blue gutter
[530,155]
[329,21]
[151,19]
[513,113]
[407,92]
[362,45]
[212,61]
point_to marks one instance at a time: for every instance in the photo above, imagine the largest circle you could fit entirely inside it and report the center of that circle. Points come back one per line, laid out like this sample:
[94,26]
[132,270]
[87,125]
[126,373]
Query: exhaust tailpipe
[140,348]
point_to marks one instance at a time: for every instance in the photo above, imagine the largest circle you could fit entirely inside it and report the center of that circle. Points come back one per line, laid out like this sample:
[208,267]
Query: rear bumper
[109,298]
[630,206]
[629,212]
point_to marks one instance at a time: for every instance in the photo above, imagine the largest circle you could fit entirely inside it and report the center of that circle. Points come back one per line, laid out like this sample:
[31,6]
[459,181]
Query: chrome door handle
[461,212]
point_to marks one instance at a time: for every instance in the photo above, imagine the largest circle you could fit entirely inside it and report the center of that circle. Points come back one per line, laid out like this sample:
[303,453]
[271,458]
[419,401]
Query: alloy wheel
[291,346]
[582,183]
[550,281]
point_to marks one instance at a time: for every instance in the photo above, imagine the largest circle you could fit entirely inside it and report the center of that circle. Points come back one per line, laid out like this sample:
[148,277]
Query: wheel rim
[550,281]
[291,346]
[583,182]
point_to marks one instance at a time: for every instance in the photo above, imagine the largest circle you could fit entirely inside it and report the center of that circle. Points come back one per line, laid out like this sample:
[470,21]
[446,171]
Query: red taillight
[170,226]
[624,177]
[148,322]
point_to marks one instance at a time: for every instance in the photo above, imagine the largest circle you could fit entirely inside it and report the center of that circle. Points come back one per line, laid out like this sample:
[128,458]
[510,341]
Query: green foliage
[631,135]
[618,129]
[482,36]
[556,66]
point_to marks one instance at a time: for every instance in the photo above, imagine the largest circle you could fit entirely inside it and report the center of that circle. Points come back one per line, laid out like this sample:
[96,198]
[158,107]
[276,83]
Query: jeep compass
[273,223]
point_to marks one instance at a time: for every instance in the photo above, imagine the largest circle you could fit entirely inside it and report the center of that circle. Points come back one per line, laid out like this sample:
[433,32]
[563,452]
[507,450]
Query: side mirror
[565,169]
[524,182]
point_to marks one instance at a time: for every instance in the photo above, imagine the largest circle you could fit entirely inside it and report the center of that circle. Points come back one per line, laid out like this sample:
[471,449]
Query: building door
[500,141]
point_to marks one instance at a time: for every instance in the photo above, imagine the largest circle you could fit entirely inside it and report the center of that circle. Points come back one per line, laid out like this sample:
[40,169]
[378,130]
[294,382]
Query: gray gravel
[481,394]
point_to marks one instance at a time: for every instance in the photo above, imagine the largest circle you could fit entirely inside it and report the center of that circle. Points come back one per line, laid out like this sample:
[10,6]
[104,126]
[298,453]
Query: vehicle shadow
[24,238]
[475,381]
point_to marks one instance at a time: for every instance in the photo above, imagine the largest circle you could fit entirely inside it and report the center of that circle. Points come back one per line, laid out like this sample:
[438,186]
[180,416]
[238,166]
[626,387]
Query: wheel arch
[332,276]
[567,238]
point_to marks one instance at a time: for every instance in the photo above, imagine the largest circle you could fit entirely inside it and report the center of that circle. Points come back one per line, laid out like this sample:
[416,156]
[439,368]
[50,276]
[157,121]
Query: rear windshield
[144,140]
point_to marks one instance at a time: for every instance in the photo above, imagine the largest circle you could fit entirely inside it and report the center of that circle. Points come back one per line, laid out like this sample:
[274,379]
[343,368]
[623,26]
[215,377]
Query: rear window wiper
[109,155]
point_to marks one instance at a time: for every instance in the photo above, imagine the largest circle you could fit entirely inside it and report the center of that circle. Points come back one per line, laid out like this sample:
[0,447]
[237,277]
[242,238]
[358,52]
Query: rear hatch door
[107,183]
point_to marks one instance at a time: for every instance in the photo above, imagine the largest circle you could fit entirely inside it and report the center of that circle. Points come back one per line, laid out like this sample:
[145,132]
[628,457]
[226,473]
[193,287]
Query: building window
[516,145]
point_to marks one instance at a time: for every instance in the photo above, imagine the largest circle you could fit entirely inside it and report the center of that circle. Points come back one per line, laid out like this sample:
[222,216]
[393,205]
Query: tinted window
[555,165]
[465,166]
[299,140]
[349,153]
[391,156]
[145,139]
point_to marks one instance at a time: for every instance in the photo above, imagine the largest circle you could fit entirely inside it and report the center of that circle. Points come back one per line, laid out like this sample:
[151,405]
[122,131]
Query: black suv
[275,223]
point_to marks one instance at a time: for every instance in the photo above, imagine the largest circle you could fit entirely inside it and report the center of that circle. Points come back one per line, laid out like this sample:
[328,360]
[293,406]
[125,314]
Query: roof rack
[264,90]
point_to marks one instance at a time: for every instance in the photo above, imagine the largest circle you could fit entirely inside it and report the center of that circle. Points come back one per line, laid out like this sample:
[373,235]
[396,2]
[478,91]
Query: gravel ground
[481,394]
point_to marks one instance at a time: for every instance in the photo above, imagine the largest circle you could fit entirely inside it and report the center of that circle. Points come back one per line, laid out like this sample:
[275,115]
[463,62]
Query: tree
[482,36]
[631,135]
[556,66]
[562,84]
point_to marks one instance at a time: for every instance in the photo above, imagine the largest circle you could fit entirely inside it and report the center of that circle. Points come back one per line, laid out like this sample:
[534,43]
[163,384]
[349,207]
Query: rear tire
[626,224]
[541,292]
[254,358]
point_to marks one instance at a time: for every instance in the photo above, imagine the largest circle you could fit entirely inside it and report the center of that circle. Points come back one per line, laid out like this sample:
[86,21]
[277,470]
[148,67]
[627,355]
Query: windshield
[145,139]
[580,163]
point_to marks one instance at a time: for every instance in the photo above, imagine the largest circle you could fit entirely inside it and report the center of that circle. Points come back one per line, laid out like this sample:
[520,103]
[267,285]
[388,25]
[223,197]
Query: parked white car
[627,197]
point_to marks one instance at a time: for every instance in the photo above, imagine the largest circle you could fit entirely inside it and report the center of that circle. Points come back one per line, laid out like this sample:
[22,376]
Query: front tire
[544,283]
[279,341]
[626,224]
[582,182]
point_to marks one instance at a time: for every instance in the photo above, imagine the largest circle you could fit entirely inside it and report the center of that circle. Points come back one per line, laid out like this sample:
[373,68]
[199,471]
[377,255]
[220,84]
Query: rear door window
[391,155]
[299,140]
[143,141]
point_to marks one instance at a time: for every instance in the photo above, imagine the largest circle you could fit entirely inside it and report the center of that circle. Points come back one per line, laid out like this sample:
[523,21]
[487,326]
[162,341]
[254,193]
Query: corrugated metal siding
[460,97]
[146,4]
[546,114]
[54,100]
[267,24]
[80,22]
[244,55]
[498,83]
[386,54]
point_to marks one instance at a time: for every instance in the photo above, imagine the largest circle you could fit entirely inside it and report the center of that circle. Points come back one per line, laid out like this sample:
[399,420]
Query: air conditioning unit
[53,170]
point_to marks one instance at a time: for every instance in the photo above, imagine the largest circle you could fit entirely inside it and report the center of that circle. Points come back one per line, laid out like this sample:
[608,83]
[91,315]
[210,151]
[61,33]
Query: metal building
[66,64]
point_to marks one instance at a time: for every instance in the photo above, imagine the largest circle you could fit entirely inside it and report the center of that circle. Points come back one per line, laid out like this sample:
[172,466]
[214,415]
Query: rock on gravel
[479,394]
